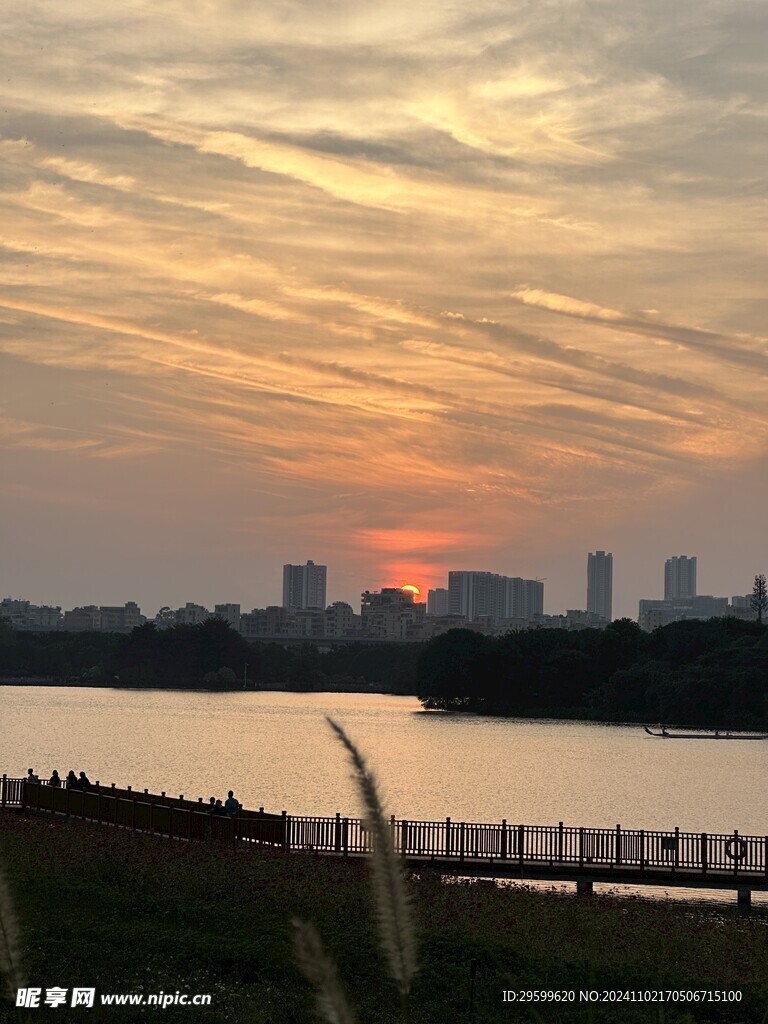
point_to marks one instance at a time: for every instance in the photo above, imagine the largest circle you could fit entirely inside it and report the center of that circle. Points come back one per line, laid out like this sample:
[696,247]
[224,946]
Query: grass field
[126,912]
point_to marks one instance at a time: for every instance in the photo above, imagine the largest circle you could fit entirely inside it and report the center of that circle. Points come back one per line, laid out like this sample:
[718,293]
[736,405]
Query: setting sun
[413,589]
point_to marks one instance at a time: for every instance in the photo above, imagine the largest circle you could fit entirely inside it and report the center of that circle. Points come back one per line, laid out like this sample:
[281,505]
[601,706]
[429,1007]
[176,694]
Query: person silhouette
[231,805]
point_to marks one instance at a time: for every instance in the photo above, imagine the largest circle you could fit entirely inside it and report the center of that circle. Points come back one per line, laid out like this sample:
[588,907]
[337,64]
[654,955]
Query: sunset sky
[397,287]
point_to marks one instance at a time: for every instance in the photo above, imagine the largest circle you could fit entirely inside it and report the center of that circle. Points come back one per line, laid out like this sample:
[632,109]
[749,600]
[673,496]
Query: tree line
[711,674]
[209,655]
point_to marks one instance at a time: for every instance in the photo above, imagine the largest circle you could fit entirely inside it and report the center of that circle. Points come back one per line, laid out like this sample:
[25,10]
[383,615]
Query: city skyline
[475,592]
[411,290]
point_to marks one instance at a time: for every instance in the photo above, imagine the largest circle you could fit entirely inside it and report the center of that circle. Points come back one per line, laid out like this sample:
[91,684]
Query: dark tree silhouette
[759,600]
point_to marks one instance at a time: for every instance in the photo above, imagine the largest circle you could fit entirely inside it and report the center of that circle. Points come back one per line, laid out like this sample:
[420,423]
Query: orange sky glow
[400,290]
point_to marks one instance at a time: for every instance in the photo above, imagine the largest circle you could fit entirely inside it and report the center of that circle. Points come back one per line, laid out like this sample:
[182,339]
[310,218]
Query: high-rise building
[486,595]
[600,584]
[304,586]
[679,577]
[437,601]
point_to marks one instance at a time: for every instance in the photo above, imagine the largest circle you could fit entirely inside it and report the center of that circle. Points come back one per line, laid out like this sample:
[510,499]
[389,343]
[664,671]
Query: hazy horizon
[396,288]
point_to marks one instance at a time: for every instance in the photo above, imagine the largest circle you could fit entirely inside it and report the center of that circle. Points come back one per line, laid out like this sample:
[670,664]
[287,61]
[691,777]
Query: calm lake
[275,750]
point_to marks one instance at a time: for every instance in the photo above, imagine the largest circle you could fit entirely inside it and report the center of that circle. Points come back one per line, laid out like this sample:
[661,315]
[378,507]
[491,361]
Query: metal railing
[634,851]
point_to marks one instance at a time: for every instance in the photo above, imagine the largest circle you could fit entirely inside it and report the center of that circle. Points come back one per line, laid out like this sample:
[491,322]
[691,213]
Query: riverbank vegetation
[708,674]
[210,655]
[131,913]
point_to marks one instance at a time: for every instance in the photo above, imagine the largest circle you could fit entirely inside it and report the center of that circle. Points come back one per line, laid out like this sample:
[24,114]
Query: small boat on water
[705,734]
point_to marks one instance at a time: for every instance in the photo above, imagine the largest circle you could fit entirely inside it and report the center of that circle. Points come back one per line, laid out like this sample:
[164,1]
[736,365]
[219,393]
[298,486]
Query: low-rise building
[120,619]
[23,615]
[229,612]
[656,613]
[82,620]
[191,614]
[340,620]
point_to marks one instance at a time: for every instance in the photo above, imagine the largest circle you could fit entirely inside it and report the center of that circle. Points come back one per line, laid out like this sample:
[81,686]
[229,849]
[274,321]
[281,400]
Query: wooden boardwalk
[498,849]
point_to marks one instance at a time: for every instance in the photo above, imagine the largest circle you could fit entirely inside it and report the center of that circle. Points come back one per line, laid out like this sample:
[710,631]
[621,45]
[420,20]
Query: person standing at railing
[31,777]
[231,805]
[85,782]
[72,782]
[54,781]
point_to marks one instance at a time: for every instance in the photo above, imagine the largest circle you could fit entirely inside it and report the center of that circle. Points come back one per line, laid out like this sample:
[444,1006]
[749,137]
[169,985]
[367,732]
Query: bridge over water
[618,856]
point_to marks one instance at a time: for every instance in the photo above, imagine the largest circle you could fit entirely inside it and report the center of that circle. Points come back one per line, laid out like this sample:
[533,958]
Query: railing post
[704,853]
[392,833]
[461,841]
[448,837]
[581,847]
[520,843]
[285,832]
[617,851]
[503,838]
[3,791]
[337,834]
[345,837]
[765,857]
[642,849]
[736,859]
[404,838]
[560,841]
[676,863]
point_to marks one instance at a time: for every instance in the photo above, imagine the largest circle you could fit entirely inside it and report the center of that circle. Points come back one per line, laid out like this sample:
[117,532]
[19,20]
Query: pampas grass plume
[319,969]
[10,961]
[393,908]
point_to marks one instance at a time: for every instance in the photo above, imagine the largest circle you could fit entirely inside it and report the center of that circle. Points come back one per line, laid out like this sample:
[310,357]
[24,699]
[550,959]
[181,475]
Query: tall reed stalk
[320,970]
[10,959]
[393,907]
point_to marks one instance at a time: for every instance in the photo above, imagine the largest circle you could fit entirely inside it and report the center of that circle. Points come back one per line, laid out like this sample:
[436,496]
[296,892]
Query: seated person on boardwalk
[85,782]
[72,782]
[218,809]
[31,777]
[231,805]
[54,782]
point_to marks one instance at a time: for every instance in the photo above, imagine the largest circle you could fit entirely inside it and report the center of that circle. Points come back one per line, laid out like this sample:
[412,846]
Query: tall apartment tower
[600,584]
[304,586]
[679,577]
[481,595]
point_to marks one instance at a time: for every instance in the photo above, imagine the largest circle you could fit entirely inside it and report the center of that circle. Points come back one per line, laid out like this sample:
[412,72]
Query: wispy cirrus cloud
[397,280]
